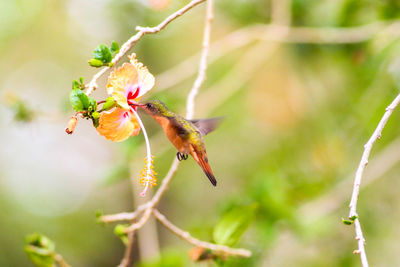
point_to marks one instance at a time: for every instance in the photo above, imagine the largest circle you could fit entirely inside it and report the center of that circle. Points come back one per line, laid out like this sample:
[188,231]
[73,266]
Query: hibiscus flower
[126,85]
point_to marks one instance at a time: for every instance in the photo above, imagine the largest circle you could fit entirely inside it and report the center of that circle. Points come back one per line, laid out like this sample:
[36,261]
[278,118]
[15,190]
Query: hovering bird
[185,135]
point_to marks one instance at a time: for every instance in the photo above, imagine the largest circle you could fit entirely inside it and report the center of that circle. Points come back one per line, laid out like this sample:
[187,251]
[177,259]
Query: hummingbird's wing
[207,125]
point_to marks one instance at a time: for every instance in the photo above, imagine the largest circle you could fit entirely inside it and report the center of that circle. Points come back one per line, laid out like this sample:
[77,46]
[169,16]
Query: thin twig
[60,261]
[196,242]
[358,177]
[323,35]
[141,222]
[124,216]
[127,259]
[133,40]
[203,61]
[281,12]
[332,200]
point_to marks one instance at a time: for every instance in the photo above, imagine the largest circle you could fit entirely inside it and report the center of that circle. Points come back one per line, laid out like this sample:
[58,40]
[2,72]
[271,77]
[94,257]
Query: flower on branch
[126,85]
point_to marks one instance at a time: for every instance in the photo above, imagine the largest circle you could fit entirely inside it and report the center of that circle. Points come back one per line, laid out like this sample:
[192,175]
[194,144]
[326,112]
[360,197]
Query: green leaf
[99,214]
[347,222]
[353,217]
[103,53]
[96,63]
[119,231]
[114,47]
[109,104]
[40,250]
[79,100]
[233,224]
[81,80]
[75,84]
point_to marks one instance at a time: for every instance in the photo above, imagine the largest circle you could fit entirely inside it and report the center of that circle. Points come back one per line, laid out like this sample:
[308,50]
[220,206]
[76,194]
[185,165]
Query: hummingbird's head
[155,108]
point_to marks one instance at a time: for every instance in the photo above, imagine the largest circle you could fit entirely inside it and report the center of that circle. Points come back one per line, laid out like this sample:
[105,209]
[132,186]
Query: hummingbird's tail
[201,158]
[207,170]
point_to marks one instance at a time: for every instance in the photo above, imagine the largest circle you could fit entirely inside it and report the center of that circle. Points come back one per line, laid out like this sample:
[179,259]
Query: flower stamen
[147,175]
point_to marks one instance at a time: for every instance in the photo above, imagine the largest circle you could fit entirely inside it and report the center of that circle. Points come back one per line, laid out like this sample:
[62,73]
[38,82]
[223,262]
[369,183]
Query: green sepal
[233,224]
[119,231]
[102,53]
[92,107]
[96,63]
[79,100]
[109,104]
[95,118]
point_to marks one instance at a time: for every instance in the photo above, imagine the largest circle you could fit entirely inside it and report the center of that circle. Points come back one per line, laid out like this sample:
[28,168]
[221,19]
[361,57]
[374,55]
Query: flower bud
[95,63]
[71,125]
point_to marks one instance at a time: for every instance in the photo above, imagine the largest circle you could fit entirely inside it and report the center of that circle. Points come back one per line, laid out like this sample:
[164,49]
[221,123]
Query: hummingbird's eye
[148,105]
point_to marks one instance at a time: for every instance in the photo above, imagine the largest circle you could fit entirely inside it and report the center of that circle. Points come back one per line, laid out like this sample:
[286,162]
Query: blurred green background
[297,116]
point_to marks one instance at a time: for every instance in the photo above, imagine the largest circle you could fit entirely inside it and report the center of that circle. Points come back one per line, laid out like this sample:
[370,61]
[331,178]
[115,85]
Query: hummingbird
[185,135]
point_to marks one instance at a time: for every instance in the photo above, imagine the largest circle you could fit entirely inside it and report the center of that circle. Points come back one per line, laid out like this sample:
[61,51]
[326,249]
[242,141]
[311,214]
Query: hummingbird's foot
[181,156]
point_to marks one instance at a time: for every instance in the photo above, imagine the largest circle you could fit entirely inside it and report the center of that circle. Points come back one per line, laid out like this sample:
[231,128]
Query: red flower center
[132,95]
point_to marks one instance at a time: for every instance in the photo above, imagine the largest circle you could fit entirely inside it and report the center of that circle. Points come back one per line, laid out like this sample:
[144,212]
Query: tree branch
[196,242]
[358,177]
[127,259]
[203,61]
[281,12]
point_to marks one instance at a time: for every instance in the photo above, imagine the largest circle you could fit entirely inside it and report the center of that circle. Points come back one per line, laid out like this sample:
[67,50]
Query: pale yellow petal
[117,125]
[145,78]
[121,82]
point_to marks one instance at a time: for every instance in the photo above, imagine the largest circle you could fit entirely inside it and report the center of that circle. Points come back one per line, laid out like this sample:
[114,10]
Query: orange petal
[118,125]
[145,78]
[121,82]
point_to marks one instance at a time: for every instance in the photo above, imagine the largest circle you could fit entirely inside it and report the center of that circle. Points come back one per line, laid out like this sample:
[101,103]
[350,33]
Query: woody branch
[358,178]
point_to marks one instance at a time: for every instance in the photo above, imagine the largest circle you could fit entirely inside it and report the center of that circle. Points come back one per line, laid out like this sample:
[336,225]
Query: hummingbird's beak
[136,104]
